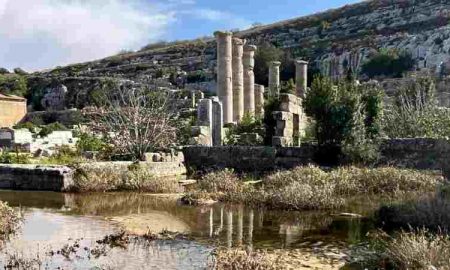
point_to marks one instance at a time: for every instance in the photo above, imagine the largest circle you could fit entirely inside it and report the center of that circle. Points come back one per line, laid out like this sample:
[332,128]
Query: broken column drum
[301,77]
[274,78]
[238,79]
[249,79]
[225,74]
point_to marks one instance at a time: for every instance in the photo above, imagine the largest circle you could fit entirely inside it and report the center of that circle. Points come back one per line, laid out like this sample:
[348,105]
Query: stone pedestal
[274,78]
[217,123]
[224,73]
[301,77]
[202,133]
[249,79]
[259,100]
[238,79]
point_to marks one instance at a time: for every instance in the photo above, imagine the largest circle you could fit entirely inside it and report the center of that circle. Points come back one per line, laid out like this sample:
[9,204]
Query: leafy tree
[265,54]
[390,63]
[347,120]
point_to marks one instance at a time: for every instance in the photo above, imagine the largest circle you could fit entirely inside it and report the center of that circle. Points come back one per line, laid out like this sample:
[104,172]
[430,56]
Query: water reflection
[228,225]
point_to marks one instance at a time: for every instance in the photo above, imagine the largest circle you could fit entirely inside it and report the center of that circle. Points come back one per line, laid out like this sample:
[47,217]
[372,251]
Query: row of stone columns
[235,77]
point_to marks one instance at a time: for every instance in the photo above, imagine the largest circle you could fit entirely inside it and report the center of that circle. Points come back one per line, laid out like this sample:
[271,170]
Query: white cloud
[218,16]
[42,33]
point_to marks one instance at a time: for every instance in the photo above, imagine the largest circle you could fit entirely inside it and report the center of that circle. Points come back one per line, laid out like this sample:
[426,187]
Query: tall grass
[135,177]
[9,219]
[305,188]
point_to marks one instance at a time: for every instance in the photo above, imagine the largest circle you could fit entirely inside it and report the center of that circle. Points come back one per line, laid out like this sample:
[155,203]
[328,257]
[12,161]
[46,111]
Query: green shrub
[47,129]
[7,157]
[391,63]
[347,120]
[89,142]
[415,113]
[13,84]
[26,125]
[248,124]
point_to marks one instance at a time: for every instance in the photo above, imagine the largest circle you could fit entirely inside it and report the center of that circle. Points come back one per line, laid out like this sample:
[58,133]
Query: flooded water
[54,221]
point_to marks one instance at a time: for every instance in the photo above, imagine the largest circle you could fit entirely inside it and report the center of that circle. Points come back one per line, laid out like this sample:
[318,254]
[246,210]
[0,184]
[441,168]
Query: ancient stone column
[225,74]
[249,79]
[238,79]
[301,77]
[259,100]
[274,78]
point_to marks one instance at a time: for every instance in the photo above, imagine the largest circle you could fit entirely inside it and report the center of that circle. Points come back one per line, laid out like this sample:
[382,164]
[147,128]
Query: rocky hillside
[330,40]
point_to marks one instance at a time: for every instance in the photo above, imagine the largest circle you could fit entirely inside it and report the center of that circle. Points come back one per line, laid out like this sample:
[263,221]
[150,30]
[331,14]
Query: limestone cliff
[330,40]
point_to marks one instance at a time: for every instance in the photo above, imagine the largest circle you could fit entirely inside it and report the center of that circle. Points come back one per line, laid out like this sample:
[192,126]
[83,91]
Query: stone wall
[12,110]
[35,177]
[429,154]
[432,154]
[247,158]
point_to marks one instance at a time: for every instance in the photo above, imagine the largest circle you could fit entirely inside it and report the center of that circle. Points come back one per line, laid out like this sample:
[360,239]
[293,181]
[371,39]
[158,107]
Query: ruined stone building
[12,110]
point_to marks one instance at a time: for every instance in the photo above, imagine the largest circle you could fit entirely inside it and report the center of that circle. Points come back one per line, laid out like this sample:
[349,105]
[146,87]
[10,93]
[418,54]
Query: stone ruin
[23,140]
[237,95]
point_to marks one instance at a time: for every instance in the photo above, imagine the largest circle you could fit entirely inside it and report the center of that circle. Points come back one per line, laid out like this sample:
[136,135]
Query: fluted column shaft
[249,79]
[225,74]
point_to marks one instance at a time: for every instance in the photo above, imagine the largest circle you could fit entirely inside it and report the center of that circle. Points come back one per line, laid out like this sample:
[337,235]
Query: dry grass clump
[242,260]
[419,250]
[220,181]
[386,180]
[408,250]
[136,178]
[309,188]
[9,219]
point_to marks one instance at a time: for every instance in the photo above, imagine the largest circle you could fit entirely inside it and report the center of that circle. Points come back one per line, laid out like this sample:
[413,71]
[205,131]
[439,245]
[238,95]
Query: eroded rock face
[54,98]
[332,41]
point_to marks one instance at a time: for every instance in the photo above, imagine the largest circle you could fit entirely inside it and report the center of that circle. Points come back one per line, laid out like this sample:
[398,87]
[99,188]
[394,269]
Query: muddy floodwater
[62,230]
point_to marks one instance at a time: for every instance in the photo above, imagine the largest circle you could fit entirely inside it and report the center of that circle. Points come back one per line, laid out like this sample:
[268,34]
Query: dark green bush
[46,130]
[390,63]
[13,84]
[347,120]
[89,142]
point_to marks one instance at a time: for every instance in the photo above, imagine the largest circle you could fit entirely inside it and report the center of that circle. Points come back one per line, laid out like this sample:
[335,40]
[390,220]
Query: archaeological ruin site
[318,142]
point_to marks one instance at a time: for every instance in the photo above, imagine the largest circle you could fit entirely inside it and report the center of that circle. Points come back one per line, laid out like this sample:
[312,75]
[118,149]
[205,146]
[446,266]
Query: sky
[40,34]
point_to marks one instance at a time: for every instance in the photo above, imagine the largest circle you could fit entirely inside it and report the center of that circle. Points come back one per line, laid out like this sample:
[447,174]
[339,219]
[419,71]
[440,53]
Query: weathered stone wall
[35,177]
[433,154]
[247,158]
[12,110]
[429,154]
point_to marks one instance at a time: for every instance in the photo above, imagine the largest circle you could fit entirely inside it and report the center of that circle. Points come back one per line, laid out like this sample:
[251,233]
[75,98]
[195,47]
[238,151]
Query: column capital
[275,63]
[239,41]
[222,34]
[250,48]
[301,62]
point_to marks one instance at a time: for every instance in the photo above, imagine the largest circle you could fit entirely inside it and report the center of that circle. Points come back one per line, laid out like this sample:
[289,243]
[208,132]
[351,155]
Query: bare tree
[137,119]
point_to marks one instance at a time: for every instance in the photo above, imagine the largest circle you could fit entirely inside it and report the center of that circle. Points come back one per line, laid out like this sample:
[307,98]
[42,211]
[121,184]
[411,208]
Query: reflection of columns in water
[229,228]
[240,225]
[289,236]
[250,229]
[260,218]
[211,222]
[220,228]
